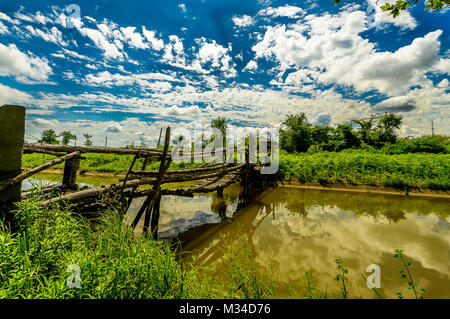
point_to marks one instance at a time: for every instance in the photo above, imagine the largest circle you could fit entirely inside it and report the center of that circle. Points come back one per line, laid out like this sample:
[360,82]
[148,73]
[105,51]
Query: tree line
[376,132]
[50,137]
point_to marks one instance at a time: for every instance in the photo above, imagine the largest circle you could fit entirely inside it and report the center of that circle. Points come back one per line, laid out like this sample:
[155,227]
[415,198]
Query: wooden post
[70,173]
[12,131]
[159,140]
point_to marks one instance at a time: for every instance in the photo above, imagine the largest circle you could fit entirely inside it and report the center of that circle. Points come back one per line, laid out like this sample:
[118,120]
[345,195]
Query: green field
[350,167]
[404,171]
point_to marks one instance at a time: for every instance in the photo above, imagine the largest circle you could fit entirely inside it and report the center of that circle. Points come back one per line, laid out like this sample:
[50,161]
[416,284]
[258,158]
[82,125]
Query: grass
[403,171]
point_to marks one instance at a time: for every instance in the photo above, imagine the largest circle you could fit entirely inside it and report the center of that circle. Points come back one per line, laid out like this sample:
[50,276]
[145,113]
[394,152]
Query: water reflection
[297,230]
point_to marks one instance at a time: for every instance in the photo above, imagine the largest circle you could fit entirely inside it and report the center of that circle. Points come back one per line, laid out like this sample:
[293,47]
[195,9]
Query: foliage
[406,274]
[358,167]
[67,137]
[87,139]
[296,136]
[400,5]
[49,137]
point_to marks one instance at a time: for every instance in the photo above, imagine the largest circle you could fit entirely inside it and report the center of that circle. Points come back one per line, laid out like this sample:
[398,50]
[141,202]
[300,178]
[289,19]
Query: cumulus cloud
[133,38]
[396,104]
[332,45]
[380,17]
[25,68]
[12,96]
[155,43]
[215,56]
[114,128]
[243,21]
[285,11]
[251,66]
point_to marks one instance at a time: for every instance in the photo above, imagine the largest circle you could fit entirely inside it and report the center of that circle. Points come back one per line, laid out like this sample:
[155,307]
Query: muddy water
[298,230]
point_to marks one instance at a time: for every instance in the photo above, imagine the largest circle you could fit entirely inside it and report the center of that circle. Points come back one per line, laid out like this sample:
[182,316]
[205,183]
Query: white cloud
[251,66]
[405,20]
[156,44]
[25,68]
[332,45]
[154,81]
[52,35]
[215,56]
[110,49]
[285,11]
[114,128]
[183,8]
[12,96]
[243,21]
[134,39]
[396,104]
[3,29]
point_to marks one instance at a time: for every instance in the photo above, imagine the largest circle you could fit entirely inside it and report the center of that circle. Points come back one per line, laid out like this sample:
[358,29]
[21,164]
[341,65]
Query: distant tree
[345,137]
[296,136]
[386,128]
[87,139]
[400,5]
[67,137]
[49,137]
[366,128]
[178,140]
[220,123]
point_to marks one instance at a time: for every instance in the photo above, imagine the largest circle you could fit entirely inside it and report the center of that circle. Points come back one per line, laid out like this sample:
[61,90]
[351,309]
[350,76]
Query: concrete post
[12,131]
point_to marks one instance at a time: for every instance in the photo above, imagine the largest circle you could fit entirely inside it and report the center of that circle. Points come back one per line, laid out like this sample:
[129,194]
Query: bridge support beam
[70,173]
[12,131]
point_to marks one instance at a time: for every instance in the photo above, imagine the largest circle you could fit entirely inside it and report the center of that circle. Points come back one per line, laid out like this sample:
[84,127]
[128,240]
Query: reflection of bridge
[209,177]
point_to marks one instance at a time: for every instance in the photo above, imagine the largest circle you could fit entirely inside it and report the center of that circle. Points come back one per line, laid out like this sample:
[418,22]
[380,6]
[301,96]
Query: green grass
[111,163]
[403,171]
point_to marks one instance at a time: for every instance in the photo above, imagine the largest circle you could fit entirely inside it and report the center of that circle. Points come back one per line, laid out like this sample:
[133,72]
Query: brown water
[297,230]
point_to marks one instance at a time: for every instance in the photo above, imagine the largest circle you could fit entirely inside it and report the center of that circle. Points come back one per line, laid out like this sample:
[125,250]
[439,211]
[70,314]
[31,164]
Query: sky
[124,69]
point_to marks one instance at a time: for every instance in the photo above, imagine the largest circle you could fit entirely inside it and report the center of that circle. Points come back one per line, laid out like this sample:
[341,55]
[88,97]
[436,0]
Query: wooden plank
[92,149]
[36,170]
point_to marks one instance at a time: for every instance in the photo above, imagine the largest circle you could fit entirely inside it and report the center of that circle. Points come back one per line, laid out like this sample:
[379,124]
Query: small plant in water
[340,277]
[406,274]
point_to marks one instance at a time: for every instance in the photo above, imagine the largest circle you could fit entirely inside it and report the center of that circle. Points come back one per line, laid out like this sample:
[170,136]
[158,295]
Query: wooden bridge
[208,177]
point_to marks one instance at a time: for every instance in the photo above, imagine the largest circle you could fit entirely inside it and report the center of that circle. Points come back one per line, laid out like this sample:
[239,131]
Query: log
[181,171]
[92,149]
[36,170]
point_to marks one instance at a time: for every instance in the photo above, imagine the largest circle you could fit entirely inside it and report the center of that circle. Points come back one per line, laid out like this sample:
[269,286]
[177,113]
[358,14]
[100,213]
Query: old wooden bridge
[137,183]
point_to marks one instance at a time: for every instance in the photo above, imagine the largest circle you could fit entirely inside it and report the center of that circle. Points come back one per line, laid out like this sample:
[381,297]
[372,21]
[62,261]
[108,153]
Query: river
[296,230]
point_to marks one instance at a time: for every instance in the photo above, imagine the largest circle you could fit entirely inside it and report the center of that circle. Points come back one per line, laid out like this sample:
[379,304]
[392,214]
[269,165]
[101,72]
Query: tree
[366,128]
[178,140]
[386,128]
[49,137]
[87,139]
[297,135]
[345,137]
[400,5]
[67,137]
[220,123]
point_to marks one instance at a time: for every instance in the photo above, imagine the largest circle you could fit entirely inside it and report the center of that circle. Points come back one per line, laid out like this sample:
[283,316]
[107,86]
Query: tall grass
[404,171]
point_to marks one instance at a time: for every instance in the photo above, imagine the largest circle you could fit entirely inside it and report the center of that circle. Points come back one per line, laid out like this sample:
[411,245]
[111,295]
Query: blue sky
[124,69]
